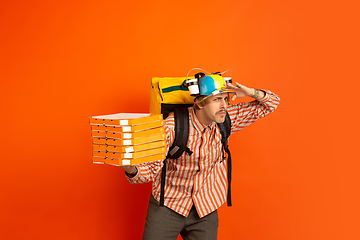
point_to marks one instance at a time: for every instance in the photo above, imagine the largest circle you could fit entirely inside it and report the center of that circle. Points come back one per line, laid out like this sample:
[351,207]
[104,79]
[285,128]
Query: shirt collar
[196,122]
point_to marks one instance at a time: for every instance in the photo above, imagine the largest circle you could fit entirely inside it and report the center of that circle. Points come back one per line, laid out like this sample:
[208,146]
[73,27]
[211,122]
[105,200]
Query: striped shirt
[200,178]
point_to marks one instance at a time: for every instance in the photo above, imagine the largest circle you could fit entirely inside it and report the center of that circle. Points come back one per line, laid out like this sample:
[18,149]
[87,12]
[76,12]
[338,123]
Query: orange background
[295,173]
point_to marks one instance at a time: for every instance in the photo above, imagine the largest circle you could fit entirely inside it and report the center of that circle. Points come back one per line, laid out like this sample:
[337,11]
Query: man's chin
[220,119]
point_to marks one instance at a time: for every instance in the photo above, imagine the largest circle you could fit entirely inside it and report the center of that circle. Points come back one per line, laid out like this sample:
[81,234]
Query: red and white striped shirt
[200,178]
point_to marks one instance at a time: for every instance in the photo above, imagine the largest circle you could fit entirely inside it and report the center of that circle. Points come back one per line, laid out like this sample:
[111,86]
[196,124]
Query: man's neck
[200,115]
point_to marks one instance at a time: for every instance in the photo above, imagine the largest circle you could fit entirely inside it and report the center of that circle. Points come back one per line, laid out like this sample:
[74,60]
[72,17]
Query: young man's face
[215,109]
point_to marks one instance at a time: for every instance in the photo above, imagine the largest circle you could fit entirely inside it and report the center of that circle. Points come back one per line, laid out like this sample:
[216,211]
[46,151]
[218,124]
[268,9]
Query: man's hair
[202,102]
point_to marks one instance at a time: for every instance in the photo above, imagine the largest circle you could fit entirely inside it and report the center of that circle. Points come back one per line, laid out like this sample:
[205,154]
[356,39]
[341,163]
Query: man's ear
[198,104]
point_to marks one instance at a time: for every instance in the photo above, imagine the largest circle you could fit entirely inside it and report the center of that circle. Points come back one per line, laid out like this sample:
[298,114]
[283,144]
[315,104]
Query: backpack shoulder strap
[181,116]
[225,130]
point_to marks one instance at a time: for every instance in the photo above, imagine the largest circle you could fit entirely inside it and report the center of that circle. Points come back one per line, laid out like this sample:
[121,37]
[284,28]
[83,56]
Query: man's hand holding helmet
[241,91]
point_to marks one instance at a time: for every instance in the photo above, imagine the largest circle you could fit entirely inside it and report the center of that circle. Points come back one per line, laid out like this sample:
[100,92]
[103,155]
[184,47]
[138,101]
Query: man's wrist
[133,173]
[257,94]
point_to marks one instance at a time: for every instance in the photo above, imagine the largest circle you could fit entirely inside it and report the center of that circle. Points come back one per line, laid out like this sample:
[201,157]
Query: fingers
[239,90]
[239,85]
[229,86]
[128,169]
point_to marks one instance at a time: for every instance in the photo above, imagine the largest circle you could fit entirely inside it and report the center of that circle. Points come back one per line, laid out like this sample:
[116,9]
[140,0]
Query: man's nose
[223,104]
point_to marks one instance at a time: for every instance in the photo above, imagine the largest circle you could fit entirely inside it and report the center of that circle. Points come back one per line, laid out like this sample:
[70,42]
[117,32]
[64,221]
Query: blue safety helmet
[211,85]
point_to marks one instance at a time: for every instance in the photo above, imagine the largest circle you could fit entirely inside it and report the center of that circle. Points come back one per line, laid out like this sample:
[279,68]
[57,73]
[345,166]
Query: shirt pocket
[217,148]
[171,165]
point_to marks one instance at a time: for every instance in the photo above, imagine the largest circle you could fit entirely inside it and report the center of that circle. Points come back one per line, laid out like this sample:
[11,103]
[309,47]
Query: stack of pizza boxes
[128,138]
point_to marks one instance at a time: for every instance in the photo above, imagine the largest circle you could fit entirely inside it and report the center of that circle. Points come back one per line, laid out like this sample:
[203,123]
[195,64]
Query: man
[196,184]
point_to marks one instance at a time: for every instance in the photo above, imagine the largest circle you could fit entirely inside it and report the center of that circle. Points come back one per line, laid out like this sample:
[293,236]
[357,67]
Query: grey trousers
[162,223]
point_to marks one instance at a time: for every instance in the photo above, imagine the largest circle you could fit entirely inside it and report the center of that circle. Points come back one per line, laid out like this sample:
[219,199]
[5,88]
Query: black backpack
[181,116]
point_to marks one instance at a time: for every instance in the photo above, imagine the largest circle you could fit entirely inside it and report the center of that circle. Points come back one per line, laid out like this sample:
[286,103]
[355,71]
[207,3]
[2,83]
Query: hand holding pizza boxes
[128,138]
